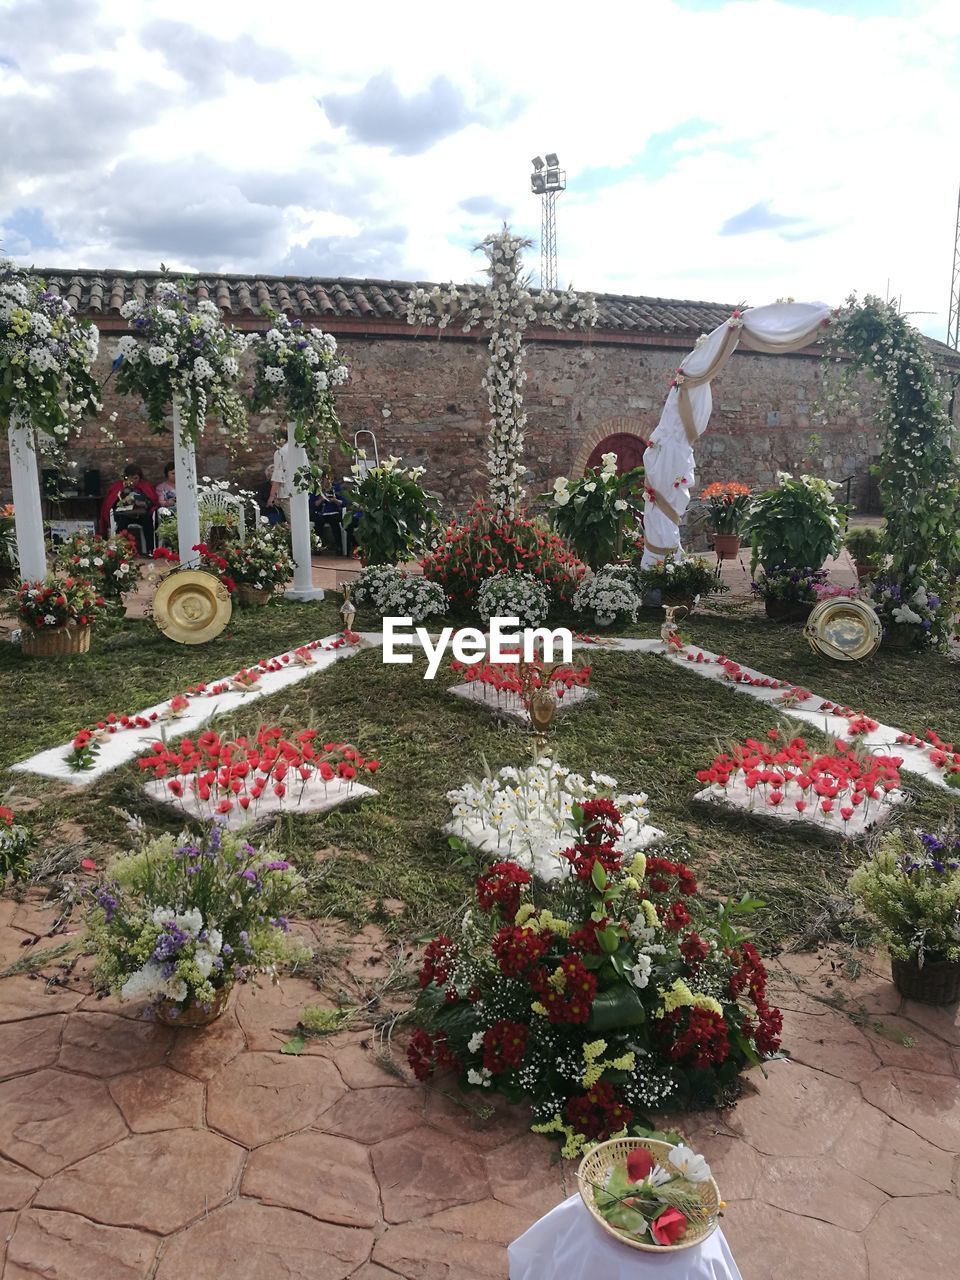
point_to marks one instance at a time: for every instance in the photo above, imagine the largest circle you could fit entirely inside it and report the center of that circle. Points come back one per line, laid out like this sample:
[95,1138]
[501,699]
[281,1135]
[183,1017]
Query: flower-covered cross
[506,306]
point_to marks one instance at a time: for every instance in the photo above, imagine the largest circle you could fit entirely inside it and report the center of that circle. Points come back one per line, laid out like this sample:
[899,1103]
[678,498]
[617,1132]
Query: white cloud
[672,120]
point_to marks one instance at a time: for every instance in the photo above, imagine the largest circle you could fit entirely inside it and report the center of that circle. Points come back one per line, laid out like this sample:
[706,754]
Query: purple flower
[248,874]
[279,865]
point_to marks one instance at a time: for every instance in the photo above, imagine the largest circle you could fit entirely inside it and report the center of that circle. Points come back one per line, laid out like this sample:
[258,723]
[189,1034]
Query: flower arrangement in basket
[396,513]
[16,843]
[179,920]
[616,993]
[599,511]
[650,1194]
[911,886]
[262,563]
[514,595]
[109,564]
[682,581]
[215,776]
[610,594]
[57,615]
[396,593]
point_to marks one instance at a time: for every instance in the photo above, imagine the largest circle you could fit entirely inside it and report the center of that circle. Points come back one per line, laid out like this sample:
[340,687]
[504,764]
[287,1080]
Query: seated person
[167,488]
[328,508]
[134,503]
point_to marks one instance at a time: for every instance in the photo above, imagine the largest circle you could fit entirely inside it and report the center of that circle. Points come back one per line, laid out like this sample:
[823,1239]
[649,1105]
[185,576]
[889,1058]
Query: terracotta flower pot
[55,642]
[726,545]
[788,610]
[175,1014]
[937,982]
[249,595]
[865,571]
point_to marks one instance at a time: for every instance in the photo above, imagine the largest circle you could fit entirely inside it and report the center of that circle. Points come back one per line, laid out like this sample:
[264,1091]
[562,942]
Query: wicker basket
[174,1014]
[938,982]
[593,1170]
[55,642]
[247,595]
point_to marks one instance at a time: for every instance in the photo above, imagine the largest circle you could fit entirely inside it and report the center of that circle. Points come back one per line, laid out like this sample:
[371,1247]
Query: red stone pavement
[129,1150]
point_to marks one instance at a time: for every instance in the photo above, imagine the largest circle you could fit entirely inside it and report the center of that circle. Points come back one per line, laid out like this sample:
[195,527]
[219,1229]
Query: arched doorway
[628,448]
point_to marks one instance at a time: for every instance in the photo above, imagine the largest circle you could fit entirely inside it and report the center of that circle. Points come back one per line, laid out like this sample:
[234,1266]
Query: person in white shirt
[281,478]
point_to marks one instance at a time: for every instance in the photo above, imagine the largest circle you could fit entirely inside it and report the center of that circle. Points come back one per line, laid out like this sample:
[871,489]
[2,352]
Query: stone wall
[422,397]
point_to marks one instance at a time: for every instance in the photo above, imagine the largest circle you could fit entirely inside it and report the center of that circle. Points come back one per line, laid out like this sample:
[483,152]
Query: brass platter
[843,629]
[191,607]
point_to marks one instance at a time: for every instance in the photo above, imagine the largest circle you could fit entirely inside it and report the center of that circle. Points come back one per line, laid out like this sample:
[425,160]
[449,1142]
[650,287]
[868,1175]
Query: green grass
[651,727]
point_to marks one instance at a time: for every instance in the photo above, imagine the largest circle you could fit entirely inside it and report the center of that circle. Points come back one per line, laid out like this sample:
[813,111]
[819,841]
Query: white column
[25,481]
[303,588]
[188,507]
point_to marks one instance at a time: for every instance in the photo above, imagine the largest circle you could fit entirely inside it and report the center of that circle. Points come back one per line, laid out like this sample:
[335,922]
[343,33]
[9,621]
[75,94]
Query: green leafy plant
[263,561]
[598,512]
[795,525]
[792,586]
[912,887]
[726,504]
[682,579]
[865,545]
[109,564]
[396,512]
[15,846]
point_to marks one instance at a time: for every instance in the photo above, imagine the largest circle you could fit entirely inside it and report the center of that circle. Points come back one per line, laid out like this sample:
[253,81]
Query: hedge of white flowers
[919,476]
[186,355]
[506,307]
[46,355]
[514,595]
[297,373]
[395,593]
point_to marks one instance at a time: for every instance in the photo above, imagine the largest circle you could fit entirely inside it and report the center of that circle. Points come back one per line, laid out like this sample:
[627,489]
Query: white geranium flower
[689,1164]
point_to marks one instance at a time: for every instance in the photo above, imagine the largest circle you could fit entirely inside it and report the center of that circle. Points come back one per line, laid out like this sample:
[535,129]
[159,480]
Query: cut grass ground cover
[651,727]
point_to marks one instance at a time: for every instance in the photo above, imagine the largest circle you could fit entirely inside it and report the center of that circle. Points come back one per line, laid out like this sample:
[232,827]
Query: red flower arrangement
[58,603]
[489,542]
[587,998]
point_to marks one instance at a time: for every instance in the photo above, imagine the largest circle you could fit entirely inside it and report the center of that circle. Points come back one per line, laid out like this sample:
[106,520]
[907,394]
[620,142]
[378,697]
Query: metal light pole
[548,181]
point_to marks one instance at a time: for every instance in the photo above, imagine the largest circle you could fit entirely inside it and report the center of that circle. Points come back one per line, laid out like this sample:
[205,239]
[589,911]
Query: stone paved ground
[131,1151]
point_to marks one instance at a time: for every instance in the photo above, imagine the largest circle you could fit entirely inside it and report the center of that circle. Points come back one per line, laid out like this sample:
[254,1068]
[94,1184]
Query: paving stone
[269,1013]
[250,1241]
[794,1111]
[818,1187]
[418,1252]
[485,1122]
[27,1045]
[941,1021]
[16,1186]
[892,1157]
[424,1171]
[203,1051]
[734,1164]
[156,1181]
[24,997]
[62,1246]
[370,1115]
[356,1060]
[488,1220]
[526,1174]
[7,1224]
[102,1044]
[915,1236]
[828,1041]
[329,1178]
[370,1271]
[927,1104]
[889,1037]
[262,1096]
[50,1119]
[158,1098]
[799,1248]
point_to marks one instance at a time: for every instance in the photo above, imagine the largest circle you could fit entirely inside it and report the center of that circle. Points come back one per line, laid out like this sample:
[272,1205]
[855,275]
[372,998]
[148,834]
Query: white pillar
[303,588]
[25,481]
[188,507]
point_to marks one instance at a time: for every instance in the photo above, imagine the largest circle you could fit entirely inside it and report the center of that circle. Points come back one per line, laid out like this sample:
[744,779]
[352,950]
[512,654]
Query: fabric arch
[669,461]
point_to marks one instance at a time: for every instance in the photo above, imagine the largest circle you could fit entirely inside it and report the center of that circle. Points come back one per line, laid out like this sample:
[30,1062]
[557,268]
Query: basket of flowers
[254,569]
[57,616]
[649,1194]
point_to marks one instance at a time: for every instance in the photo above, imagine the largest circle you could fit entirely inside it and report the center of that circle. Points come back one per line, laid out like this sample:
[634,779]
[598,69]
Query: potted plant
[788,595]
[179,921]
[865,546]
[795,525]
[682,582]
[912,887]
[595,514]
[108,564]
[251,570]
[16,844]
[613,591]
[726,504]
[395,512]
[8,546]
[909,617]
[514,595]
[57,615]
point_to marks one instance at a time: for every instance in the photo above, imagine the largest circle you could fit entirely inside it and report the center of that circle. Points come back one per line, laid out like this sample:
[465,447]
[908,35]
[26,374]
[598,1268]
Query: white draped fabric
[669,460]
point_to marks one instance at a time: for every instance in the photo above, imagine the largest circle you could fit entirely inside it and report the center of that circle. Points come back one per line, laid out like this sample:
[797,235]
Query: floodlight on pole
[548,181]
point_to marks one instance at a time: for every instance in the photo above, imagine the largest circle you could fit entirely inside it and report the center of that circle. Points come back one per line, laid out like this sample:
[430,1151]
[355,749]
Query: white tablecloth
[567,1244]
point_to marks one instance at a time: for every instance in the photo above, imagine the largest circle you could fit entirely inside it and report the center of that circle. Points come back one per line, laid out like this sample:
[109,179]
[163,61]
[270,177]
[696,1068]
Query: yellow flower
[676,997]
[638,867]
[630,883]
[650,914]
[626,1062]
[701,1001]
[524,914]
[594,1049]
[537,1007]
[557,979]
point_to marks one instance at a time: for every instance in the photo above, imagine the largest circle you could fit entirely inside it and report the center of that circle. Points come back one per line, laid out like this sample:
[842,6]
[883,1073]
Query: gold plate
[191,607]
[844,629]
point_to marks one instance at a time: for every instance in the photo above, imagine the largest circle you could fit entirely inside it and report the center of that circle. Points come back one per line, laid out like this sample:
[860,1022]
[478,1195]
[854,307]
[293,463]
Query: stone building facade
[422,397]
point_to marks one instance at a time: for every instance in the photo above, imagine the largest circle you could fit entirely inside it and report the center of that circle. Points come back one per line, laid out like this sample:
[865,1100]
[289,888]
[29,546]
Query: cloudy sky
[724,150]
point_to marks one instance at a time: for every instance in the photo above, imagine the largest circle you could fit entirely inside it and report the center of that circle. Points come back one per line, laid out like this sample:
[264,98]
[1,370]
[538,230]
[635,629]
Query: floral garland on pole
[46,390]
[297,373]
[506,307]
[919,477]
